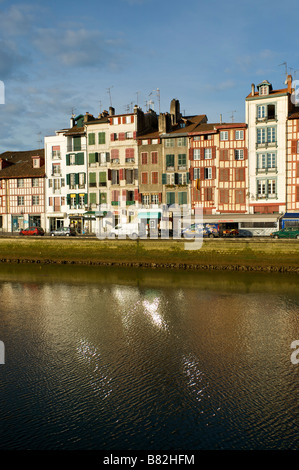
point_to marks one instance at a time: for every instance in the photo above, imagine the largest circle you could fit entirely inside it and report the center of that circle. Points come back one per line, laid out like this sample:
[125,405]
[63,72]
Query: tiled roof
[271,93]
[75,130]
[294,114]
[19,164]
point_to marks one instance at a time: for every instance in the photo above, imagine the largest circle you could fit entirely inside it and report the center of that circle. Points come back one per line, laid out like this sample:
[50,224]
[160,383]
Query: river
[103,358]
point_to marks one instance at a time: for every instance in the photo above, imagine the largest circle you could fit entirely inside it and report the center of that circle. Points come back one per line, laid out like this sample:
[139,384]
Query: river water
[145,360]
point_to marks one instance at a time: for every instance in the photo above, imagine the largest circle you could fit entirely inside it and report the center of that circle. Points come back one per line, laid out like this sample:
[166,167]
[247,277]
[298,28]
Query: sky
[69,56]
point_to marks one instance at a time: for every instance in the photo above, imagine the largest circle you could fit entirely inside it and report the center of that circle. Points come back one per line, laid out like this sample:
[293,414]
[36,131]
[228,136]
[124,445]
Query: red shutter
[245,152]
[121,174]
[119,120]
[124,119]
[139,197]
[112,137]
[213,172]
[132,119]
[124,194]
[294,146]
[121,136]
[136,195]
[160,197]
[213,152]
[109,174]
[134,135]
[202,174]
[191,170]
[149,141]
[191,154]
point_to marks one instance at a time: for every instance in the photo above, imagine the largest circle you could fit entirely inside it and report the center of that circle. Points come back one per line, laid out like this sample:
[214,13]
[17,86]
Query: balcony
[74,148]
[266,119]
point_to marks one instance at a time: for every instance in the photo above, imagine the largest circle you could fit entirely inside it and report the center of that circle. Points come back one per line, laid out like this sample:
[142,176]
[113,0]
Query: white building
[266,118]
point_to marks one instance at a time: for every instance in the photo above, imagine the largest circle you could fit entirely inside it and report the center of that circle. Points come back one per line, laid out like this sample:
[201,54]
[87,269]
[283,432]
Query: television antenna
[286,68]
[109,93]
[39,140]
[157,91]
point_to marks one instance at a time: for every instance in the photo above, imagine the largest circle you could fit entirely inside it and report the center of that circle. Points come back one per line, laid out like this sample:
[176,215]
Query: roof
[212,128]
[282,91]
[19,164]
[75,131]
[294,114]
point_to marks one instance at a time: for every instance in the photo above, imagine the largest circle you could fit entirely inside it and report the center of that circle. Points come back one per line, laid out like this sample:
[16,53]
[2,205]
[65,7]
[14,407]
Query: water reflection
[130,364]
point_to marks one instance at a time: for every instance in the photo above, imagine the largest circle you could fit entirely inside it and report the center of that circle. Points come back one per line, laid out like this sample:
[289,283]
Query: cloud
[10,59]
[17,20]
[80,47]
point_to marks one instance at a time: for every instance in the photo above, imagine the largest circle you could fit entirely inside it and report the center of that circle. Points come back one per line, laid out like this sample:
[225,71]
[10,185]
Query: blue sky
[62,55]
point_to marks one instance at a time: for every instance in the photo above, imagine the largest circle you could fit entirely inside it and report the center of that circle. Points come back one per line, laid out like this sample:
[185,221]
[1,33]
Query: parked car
[288,232]
[201,230]
[244,233]
[63,232]
[132,230]
[32,231]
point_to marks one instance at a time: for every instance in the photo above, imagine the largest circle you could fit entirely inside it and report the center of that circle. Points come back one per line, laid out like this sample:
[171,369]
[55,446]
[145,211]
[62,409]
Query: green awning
[149,215]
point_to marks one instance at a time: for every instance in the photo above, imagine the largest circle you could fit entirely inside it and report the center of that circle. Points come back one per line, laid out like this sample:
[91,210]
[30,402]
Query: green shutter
[80,158]
[102,176]
[102,139]
[91,139]
[85,198]
[68,179]
[187,177]
[92,177]
[170,198]
[92,198]
[92,158]
[67,158]
[169,160]
[68,199]
[77,199]
[76,178]
[77,143]
[164,178]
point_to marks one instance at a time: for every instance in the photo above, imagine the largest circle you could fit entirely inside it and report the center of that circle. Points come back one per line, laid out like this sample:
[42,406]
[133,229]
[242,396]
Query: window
[35,182]
[196,154]
[35,200]
[182,178]
[271,187]
[264,90]
[261,112]
[154,158]
[170,198]
[20,183]
[36,162]
[130,155]
[114,177]
[155,176]
[92,180]
[223,196]
[271,161]
[56,169]
[91,139]
[128,119]
[72,181]
[239,135]
[77,143]
[182,141]
[169,161]
[92,198]
[144,142]
[115,121]
[169,142]
[224,135]
[72,159]
[182,160]
[240,174]
[271,134]
[101,138]
[56,152]
[81,180]
[208,154]
[208,194]
[144,158]
[56,184]
[207,137]
[72,200]
[144,177]
[102,178]
[114,154]
[224,174]
[266,188]
[155,199]
[196,173]
[182,198]
[261,135]
[103,158]
[155,141]
[81,201]
[239,154]
[208,173]
[145,199]
[240,196]
[129,135]
[20,200]
[129,176]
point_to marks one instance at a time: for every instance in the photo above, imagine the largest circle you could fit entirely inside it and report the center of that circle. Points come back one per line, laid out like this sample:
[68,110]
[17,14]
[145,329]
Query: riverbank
[218,254]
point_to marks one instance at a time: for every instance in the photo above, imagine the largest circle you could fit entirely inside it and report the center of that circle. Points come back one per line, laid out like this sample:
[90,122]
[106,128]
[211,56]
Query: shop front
[290,219]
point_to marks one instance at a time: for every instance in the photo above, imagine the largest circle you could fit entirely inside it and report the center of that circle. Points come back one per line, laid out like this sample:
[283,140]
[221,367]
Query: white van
[132,230]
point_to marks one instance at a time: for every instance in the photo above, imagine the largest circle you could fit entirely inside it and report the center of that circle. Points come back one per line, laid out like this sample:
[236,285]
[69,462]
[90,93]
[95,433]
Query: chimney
[72,122]
[289,82]
[175,111]
[111,111]
[136,108]
[252,89]
[220,118]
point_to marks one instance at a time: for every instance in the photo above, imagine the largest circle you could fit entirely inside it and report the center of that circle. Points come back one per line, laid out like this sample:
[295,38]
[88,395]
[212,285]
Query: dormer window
[36,162]
[264,90]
